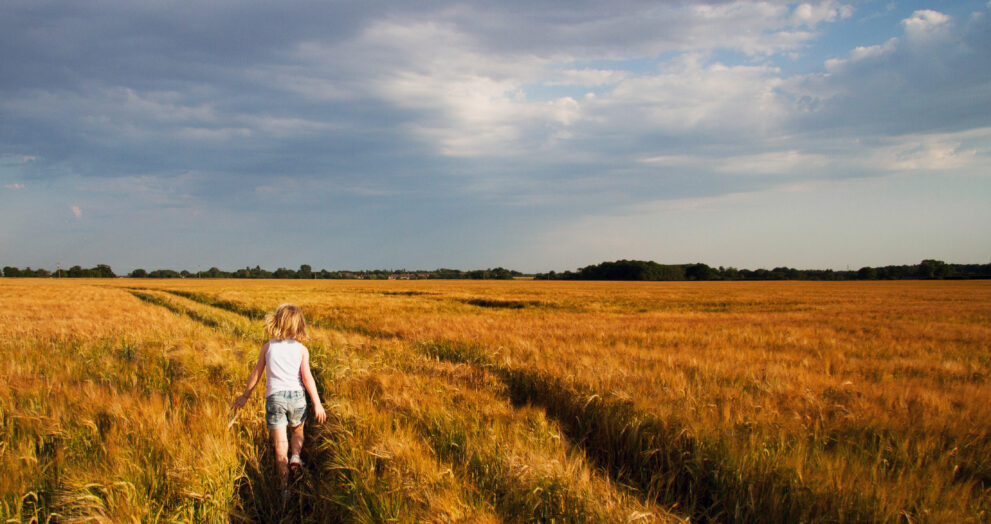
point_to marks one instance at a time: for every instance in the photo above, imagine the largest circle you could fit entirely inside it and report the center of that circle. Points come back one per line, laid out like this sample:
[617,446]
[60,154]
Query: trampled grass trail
[392,452]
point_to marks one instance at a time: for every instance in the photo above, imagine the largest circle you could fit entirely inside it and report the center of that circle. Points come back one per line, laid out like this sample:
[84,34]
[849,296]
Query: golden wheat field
[469,401]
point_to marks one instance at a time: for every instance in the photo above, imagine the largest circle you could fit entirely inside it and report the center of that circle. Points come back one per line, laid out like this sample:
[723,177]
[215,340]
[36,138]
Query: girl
[289,375]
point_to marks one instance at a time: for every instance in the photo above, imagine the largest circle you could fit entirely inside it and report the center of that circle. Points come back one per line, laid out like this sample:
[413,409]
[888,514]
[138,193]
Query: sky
[529,135]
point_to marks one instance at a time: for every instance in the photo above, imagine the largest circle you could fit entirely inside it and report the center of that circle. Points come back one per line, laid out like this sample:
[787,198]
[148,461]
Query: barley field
[519,401]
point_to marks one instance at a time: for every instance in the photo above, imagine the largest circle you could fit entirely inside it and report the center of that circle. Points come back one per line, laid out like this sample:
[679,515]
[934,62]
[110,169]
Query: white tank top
[283,361]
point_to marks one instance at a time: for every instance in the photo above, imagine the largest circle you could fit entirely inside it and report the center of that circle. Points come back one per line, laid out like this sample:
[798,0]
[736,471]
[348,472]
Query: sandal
[295,469]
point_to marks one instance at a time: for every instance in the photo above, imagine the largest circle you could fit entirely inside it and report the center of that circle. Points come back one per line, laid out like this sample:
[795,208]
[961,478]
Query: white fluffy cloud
[475,93]
[875,53]
[927,25]
[692,96]
[814,14]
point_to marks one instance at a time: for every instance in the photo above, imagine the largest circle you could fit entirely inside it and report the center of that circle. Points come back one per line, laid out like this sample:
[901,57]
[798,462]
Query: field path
[861,439]
[499,475]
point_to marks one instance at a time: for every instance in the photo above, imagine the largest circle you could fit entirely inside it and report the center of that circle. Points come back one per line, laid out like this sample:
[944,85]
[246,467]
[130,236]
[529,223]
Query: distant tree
[699,272]
[215,272]
[284,273]
[103,271]
[138,273]
[648,270]
[729,273]
[867,273]
[305,271]
[11,272]
[631,270]
[500,273]
[971,270]
[933,269]
[445,273]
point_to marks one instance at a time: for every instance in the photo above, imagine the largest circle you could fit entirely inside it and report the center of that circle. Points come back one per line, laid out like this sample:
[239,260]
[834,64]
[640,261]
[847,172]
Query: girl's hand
[239,402]
[319,413]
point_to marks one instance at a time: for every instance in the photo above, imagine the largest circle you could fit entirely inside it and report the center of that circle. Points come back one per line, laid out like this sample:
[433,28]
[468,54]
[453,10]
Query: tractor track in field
[258,314]
[251,313]
[520,391]
[659,459]
[259,497]
[255,489]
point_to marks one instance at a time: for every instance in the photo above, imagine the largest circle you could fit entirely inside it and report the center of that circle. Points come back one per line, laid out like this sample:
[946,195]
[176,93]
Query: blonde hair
[286,322]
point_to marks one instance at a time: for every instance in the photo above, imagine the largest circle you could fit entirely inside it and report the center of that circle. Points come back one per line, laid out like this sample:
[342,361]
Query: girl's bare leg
[281,445]
[296,437]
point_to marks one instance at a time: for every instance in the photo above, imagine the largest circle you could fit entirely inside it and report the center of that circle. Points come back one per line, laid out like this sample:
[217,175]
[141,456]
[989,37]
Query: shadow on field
[502,304]
[661,460]
[699,478]
[258,491]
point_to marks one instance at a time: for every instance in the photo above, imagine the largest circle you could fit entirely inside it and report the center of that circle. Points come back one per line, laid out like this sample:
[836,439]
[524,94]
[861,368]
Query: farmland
[503,401]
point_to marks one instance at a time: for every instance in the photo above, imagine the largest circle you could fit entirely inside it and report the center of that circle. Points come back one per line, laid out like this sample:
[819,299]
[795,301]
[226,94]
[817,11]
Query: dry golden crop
[504,401]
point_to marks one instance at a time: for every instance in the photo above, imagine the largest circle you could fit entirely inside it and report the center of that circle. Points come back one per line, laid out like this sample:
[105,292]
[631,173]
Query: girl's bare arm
[311,387]
[256,375]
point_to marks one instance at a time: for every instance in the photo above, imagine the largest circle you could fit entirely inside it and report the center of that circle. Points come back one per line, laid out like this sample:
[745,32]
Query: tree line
[100,271]
[617,270]
[305,271]
[650,270]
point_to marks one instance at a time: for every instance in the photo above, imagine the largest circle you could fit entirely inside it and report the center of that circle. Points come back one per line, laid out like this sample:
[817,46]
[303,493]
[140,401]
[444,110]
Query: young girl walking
[288,363]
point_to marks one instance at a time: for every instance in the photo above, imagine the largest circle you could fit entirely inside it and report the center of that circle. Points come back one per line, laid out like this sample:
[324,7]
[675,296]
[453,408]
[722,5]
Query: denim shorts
[285,408]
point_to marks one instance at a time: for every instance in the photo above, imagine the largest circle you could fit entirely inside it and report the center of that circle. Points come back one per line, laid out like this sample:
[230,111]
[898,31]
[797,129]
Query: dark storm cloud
[103,89]
[69,44]
[111,89]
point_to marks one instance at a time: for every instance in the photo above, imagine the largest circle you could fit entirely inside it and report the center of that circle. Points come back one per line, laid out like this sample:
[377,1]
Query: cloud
[875,53]
[14,187]
[695,97]
[791,162]
[924,81]
[585,77]
[927,25]
[561,30]
[776,162]
[940,152]
[812,15]
[16,159]
[435,76]
[76,211]
[467,86]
